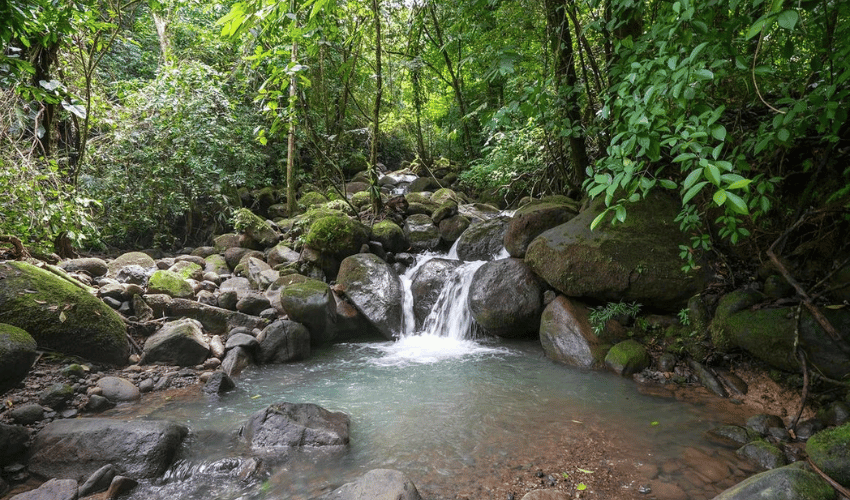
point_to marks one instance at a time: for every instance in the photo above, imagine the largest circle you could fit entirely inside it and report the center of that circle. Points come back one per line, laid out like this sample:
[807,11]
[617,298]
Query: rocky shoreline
[280,288]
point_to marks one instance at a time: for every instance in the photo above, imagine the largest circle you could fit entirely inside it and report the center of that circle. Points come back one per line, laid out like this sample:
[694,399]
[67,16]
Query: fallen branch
[832,482]
[18,249]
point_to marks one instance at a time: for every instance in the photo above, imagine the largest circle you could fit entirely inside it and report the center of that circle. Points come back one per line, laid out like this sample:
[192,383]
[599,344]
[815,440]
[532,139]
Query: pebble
[146,385]
[645,489]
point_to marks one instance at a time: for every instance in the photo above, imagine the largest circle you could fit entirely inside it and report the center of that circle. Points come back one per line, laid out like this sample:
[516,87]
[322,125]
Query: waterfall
[450,316]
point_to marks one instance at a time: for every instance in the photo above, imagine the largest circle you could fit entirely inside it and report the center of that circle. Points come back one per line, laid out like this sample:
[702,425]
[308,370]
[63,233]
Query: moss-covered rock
[337,235]
[637,260]
[830,451]
[60,315]
[309,302]
[188,270]
[171,284]
[421,232]
[215,263]
[390,235]
[443,195]
[257,233]
[17,354]
[530,221]
[361,200]
[793,482]
[762,453]
[224,241]
[627,358]
[311,199]
[728,305]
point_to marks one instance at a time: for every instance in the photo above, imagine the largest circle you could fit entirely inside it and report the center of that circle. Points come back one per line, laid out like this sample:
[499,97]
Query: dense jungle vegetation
[145,122]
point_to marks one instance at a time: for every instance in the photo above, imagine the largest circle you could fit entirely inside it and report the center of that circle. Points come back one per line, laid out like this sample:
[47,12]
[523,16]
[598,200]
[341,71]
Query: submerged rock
[377,484]
[291,425]
[54,489]
[76,448]
[60,315]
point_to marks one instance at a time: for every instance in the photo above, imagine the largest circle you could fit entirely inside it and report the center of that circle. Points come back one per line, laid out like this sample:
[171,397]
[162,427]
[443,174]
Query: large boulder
[170,283]
[17,354]
[284,341]
[375,290]
[390,235]
[566,334]
[770,334]
[377,484]
[257,233]
[54,489]
[310,303]
[427,284]
[421,232]
[128,259]
[531,220]
[482,240]
[14,441]
[179,343]
[830,451]
[506,298]
[92,266]
[60,315]
[452,227]
[792,482]
[75,448]
[292,425]
[337,235]
[637,260]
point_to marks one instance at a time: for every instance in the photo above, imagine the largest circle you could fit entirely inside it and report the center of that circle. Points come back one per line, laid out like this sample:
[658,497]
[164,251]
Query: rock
[57,396]
[337,235]
[215,320]
[188,270]
[506,298]
[219,383]
[118,389]
[785,483]
[377,484]
[98,403]
[17,354]
[216,264]
[256,233]
[830,451]
[54,489]
[284,341]
[731,435]
[566,334]
[627,358]
[217,346]
[707,379]
[635,261]
[144,261]
[99,480]
[76,448]
[178,342]
[92,266]
[311,304]
[281,254]
[60,315]
[530,221]
[762,423]
[545,495]
[482,240]
[427,284]
[119,486]
[837,414]
[234,256]
[762,453]
[391,236]
[447,209]
[243,340]
[289,425]
[27,414]
[171,284]
[421,233]
[236,360]
[14,441]
[452,227]
[375,290]
[769,334]
[259,274]
[423,184]
[253,303]
[224,241]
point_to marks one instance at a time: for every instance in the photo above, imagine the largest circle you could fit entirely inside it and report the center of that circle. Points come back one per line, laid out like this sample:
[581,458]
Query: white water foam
[427,348]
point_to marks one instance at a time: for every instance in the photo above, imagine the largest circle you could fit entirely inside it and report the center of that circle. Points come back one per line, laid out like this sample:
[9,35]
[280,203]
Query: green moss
[830,451]
[304,289]
[59,315]
[186,269]
[627,357]
[255,227]
[217,264]
[361,200]
[337,235]
[443,195]
[730,304]
[171,284]
[311,199]
[390,235]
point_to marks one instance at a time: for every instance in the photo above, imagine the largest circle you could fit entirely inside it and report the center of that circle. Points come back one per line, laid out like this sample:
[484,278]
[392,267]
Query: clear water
[428,406]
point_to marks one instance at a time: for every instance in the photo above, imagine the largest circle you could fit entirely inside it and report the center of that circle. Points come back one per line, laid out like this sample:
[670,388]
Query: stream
[441,405]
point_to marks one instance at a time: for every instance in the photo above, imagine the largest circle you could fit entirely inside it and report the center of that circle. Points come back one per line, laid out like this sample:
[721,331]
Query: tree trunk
[161,23]
[291,206]
[374,191]
[568,108]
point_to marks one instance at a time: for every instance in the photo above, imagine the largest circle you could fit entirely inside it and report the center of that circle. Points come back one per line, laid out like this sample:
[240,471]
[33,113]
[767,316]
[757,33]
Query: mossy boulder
[792,482]
[830,451]
[762,453]
[443,195]
[310,302]
[215,263]
[311,199]
[188,270]
[530,221]
[361,200]
[637,260]
[224,241]
[482,240]
[421,233]
[728,305]
[17,354]
[60,315]
[171,284]
[627,358]
[256,232]
[390,235]
[452,227]
[337,235]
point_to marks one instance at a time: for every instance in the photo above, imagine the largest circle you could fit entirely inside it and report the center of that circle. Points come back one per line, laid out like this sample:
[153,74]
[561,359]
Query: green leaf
[620,212]
[599,218]
[761,23]
[788,19]
[705,74]
[581,486]
[736,203]
[719,132]
[691,179]
[783,134]
[667,184]
[739,184]
[719,197]
[584,470]
[712,174]
[693,192]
